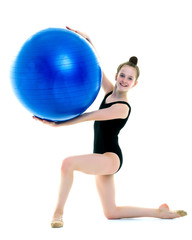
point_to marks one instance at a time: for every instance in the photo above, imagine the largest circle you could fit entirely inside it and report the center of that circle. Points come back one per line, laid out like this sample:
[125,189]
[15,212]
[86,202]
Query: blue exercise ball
[56,74]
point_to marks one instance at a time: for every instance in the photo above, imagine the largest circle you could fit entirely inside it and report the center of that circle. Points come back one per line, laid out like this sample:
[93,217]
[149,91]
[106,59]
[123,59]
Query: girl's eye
[122,75]
[130,78]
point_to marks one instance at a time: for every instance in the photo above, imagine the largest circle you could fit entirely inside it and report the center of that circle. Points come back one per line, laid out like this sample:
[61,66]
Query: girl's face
[126,78]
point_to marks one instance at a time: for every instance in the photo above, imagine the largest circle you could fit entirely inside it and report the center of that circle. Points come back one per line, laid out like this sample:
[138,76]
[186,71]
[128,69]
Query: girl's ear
[136,82]
[116,77]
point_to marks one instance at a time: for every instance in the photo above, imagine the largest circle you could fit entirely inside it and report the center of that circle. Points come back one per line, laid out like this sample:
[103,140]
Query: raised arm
[106,83]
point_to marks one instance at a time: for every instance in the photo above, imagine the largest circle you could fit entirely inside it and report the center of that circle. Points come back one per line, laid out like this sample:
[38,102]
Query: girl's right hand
[50,123]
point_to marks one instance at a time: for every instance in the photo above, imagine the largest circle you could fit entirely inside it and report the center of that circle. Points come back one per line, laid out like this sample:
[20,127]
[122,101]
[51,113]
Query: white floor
[27,206]
[97,228]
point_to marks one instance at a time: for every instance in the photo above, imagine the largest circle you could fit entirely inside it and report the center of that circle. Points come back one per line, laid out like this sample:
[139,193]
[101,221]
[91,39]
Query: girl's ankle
[58,214]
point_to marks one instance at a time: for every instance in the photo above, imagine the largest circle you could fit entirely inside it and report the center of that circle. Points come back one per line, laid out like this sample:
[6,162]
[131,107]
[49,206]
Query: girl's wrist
[88,39]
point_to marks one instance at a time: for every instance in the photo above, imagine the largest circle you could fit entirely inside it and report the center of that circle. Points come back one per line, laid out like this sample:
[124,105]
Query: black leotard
[106,132]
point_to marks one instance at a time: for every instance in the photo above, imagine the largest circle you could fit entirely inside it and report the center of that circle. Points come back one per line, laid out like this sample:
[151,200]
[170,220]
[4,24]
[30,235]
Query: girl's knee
[67,165]
[110,214]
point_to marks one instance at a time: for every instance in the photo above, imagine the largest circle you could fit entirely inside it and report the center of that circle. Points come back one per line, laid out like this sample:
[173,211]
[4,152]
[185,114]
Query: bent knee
[111,214]
[67,165]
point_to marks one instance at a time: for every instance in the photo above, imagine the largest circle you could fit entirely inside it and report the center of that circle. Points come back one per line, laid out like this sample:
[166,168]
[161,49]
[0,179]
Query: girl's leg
[106,190]
[96,164]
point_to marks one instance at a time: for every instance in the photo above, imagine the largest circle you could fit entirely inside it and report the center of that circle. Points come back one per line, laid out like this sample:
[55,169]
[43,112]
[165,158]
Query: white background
[156,142]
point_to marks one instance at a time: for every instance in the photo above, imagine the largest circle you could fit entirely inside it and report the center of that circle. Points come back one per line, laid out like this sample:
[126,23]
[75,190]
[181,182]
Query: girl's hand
[50,123]
[80,33]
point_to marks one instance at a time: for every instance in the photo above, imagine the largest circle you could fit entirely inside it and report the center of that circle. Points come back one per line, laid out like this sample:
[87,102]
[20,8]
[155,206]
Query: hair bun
[133,60]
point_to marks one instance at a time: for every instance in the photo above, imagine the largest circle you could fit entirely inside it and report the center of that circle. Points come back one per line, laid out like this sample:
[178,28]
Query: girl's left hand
[50,123]
[80,33]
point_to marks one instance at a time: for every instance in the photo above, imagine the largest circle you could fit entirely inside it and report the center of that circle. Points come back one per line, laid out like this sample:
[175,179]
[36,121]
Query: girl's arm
[116,111]
[106,83]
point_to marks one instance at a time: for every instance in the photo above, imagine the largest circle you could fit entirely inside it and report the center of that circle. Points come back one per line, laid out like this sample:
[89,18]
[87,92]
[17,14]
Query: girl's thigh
[96,164]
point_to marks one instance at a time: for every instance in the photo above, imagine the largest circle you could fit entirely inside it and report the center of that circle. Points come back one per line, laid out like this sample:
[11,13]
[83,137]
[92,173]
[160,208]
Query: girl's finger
[35,118]
[71,29]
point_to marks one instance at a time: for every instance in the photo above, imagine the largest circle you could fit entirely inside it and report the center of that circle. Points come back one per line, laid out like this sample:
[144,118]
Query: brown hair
[132,63]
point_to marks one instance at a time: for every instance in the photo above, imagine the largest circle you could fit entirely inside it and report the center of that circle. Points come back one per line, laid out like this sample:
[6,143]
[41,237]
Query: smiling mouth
[123,85]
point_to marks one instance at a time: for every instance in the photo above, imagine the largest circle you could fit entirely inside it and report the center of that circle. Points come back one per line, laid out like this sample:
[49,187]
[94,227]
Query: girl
[107,157]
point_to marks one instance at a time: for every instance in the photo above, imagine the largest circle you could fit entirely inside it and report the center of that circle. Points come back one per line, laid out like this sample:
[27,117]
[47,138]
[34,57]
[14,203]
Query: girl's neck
[119,95]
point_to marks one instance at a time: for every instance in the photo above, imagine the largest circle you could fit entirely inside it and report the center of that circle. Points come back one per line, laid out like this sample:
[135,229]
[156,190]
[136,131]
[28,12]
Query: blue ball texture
[56,74]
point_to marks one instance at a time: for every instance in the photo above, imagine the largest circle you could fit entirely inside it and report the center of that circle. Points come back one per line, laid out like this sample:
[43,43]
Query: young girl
[107,157]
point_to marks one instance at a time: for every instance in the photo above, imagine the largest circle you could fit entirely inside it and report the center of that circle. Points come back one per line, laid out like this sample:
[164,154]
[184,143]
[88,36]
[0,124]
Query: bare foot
[165,212]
